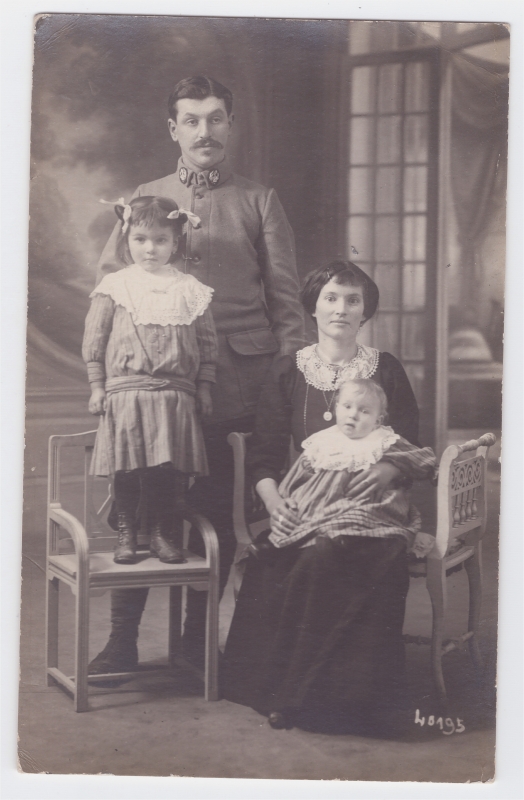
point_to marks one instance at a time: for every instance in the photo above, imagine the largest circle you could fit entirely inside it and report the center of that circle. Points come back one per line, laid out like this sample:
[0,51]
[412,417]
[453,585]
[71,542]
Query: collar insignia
[214,177]
[182,174]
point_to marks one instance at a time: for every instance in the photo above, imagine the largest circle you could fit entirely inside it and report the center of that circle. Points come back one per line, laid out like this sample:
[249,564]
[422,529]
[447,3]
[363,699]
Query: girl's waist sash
[129,383]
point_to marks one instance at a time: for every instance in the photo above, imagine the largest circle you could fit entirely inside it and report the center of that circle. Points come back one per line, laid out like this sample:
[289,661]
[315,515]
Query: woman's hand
[284,518]
[370,484]
[97,401]
[283,514]
[204,403]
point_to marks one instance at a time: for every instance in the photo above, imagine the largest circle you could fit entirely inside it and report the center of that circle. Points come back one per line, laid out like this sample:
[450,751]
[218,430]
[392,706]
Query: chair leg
[211,663]
[474,570]
[238,577]
[436,583]
[175,623]
[52,594]
[81,647]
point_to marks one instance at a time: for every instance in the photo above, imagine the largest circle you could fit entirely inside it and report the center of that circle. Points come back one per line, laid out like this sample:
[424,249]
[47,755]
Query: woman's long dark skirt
[317,633]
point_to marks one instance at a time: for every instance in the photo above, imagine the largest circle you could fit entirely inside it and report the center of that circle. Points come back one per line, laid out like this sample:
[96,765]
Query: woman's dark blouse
[282,411]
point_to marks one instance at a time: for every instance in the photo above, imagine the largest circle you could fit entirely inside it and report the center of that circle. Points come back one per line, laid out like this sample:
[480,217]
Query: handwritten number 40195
[447,726]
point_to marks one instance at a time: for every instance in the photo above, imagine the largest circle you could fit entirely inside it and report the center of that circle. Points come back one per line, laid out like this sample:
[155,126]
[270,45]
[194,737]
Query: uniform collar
[209,177]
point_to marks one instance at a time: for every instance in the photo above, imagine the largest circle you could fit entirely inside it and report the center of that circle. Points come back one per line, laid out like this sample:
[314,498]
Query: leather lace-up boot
[161,545]
[125,551]
[121,653]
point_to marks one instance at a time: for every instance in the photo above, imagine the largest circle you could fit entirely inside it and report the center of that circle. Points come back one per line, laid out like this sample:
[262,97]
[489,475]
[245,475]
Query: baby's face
[357,412]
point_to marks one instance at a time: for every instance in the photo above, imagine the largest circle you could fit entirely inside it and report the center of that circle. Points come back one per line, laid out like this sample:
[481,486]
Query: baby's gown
[318,483]
[150,338]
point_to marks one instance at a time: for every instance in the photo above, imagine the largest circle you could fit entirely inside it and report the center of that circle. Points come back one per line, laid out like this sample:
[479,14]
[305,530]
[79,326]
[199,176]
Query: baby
[318,481]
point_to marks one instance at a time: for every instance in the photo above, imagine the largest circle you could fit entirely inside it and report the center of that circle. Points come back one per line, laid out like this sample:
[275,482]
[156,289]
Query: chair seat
[147,571]
[454,560]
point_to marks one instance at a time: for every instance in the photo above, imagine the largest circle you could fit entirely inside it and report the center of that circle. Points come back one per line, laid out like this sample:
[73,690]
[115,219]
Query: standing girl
[150,347]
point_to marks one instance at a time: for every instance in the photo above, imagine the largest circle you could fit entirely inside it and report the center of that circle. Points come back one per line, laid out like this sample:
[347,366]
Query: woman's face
[339,310]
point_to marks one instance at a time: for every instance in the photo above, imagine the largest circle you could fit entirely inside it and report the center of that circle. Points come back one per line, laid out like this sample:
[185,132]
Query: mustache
[207,143]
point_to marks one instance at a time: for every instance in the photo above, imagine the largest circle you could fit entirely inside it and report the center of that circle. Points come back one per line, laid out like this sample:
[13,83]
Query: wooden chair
[461,522]
[82,558]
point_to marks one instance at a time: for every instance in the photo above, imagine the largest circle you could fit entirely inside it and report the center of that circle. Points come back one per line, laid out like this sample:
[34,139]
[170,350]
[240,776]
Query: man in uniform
[245,251]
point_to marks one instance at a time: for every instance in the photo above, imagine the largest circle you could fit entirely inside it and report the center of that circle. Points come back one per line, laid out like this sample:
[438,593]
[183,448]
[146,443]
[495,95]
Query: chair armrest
[78,534]
[486,440]
[207,532]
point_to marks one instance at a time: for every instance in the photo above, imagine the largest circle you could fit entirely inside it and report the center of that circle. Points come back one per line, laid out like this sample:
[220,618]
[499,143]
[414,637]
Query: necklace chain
[327,377]
[363,365]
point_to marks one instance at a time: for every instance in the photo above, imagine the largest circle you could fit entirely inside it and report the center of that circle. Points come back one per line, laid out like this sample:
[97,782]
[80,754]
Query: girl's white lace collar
[174,299]
[331,449]
[327,377]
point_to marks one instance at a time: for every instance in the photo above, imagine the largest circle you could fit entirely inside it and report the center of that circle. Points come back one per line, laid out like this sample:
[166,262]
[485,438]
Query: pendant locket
[328,416]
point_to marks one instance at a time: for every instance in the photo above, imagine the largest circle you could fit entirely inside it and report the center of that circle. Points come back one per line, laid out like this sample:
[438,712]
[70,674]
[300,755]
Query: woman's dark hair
[148,211]
[345,273]
[198,88]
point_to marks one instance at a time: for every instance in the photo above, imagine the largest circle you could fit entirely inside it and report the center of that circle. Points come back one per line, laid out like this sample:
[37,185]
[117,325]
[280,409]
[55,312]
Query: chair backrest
[247,522]
[94,520]
[461,494]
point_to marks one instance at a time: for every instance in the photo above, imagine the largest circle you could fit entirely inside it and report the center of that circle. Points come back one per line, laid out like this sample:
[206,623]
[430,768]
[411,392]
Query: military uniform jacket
[245,251]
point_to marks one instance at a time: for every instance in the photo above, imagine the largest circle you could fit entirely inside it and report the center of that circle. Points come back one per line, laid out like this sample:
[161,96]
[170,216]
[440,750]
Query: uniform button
[199,196]
[196,259]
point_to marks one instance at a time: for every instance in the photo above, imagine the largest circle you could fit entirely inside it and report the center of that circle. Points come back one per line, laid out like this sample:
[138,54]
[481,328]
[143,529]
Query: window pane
[359,238]
[415,373]
[361,142]
[415,238]
[386,239]
[416,138]
[385,333]
[417,82]
[414,286]
[388,140]
[389,88]
[387,278]
[363,90]
[360,189]
[388,189]
[415,188]
[413,336]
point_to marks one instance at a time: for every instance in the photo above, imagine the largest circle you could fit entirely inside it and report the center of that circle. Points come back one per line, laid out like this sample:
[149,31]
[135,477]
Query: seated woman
[316,638]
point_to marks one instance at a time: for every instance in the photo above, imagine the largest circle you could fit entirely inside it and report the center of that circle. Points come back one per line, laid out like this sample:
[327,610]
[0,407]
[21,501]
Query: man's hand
[204,403]
[97,401]
[370,484]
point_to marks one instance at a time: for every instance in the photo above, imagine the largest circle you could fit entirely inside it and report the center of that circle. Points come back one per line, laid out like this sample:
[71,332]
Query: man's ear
[171,124]
[230,120]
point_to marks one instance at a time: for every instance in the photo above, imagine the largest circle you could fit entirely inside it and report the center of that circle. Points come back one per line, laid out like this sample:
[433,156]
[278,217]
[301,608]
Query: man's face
[201,129]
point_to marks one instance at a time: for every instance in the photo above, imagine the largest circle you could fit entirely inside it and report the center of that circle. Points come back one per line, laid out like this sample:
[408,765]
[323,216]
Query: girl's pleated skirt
[144,428]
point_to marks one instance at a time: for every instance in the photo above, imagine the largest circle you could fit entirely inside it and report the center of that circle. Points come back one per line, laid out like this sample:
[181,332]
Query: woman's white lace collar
[174,299]
[331,449]
[327,377]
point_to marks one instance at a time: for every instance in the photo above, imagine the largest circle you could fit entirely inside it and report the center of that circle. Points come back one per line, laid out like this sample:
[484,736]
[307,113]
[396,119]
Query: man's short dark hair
[198,88]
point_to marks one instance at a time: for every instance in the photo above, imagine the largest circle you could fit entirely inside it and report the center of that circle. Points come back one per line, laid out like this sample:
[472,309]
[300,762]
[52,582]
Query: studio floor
[163,726]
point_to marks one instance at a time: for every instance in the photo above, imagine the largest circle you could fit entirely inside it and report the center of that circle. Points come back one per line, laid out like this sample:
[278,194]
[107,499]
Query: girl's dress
[317,631]
[318,483]
[150,338]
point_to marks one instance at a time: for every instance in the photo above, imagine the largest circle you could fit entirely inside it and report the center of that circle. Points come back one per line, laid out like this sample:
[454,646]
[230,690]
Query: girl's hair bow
[195,221]
[126,211]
